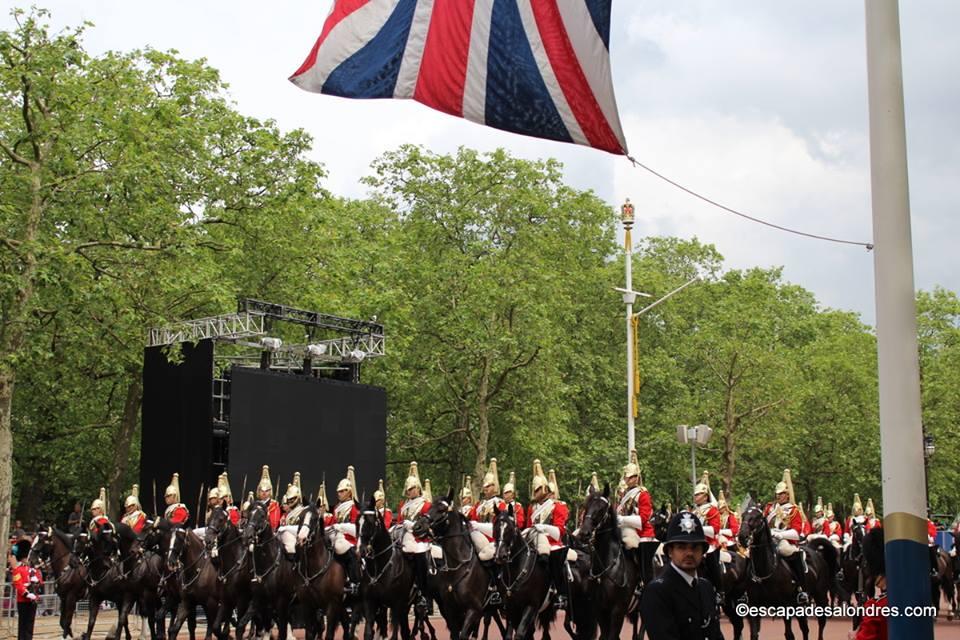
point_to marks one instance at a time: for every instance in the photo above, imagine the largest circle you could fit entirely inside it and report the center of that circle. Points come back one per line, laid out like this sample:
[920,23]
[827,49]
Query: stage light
[316,350]
[355,356]
[271,344]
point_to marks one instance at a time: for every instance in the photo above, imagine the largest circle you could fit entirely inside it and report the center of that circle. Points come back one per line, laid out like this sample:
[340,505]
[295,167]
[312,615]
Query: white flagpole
[901,435]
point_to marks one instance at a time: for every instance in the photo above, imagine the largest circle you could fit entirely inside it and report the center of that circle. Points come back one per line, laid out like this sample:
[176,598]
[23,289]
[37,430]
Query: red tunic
[22,577]
[710,515]
[234,514]
[403,515]
[794,520]
[347,517]
[733,524]
[931,530]
[135,521]
[518,514]
[557,518]
[177,514]
[833,528]
[387,517]
[98,523]
[274,514]
[874,627]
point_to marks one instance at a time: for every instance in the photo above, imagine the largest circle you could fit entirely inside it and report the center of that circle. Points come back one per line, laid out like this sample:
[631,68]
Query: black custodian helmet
[685,527]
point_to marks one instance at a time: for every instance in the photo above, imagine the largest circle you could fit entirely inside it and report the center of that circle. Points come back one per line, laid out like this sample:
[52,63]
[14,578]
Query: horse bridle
[371,555]
[753,545]
[528,548]
[258,543]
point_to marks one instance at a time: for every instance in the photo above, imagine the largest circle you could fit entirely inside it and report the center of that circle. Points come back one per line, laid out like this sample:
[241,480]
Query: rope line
[637,163]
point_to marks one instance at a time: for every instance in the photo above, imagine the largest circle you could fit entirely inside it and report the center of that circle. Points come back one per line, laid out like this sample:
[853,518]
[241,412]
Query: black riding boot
[934,557]
[493,593]
[645,554]
[420,571]
[559,576]
[350,565]
[798,568]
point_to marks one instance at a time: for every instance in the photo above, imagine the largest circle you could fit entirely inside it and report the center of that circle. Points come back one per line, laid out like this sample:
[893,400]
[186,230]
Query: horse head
[504,534]
[175,547]
[753,523]
[371,526]
[153,533]
[660,520]
[216,530]
[434,523]
[257,528]
[596,512]
[41,548]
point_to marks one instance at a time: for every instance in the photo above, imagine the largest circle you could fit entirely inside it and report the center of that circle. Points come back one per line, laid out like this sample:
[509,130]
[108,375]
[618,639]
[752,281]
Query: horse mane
[125,533]
[64,537]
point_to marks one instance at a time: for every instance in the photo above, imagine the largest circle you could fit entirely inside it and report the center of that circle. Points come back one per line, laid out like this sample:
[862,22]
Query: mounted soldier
[414,505]
[729,524]
[547,517]
[98,514]
[484,512]
[786,524]
[176,512]
[856,518]
[705,506]
[265,494]
[818,525]
[832,528]
[466,497]
[346,514]
[223,484]
[871,514]
[634,511]
[133,515]
[380,502]
[509,498]
[293,515]
[213,501]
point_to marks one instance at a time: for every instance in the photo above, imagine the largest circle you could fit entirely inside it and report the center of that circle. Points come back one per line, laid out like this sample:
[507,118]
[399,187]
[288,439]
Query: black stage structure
[243,391]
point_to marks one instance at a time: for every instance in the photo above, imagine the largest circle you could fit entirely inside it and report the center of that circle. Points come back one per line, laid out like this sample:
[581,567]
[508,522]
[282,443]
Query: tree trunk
[122,441]
[483,425]
[6,458]
[728,460]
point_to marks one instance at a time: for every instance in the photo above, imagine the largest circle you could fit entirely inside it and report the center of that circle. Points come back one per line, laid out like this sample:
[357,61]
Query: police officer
[678,604]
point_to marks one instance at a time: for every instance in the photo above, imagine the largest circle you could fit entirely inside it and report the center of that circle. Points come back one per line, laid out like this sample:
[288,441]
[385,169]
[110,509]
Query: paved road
[47,629]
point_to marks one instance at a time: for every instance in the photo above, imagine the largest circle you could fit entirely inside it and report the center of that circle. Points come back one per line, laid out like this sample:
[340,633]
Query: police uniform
[675,604]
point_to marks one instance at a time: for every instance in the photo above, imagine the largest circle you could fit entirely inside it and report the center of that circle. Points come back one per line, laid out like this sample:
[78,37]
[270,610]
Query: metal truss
[309,318]
[231,326]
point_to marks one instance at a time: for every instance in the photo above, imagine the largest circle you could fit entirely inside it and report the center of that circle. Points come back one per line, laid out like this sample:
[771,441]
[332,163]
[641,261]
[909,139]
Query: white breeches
[288,538]
[484,547]
[785,549]
[410,544]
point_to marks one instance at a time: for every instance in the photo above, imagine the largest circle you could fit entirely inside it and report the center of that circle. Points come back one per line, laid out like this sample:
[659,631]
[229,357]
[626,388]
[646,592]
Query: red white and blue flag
[535,67]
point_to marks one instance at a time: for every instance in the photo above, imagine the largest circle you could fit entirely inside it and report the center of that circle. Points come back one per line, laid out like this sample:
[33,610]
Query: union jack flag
[535,67]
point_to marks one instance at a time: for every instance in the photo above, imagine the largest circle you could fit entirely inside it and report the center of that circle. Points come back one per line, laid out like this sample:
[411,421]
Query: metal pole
[693,466]
[628,298]
[901,432]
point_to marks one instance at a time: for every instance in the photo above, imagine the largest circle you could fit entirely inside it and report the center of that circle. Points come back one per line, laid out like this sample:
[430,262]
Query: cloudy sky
[760,105]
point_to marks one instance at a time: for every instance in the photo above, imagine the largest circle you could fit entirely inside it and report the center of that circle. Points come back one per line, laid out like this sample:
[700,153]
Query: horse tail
[830,556]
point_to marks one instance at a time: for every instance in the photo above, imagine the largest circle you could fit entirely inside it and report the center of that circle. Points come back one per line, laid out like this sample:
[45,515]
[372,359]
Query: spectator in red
[28,584]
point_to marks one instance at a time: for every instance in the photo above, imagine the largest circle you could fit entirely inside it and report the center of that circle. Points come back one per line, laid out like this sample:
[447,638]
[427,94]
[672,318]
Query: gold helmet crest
[818,508]
[857,508]
[223,484]
[466,491]
[427,491]
[511,486]
[265,484]
[101,502]
[413,478]
[173,489]
[633,466]
[491,478]
[553,485]
[133,498]
[379,495]
[349,483]
[322,501]
[539,478]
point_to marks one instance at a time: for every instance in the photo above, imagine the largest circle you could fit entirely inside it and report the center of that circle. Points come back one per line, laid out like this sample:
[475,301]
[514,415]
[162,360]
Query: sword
[199,504]
[243,492]
[155,513]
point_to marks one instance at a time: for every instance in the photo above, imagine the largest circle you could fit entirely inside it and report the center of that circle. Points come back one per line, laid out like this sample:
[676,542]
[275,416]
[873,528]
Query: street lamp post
[693,436]
[929,448]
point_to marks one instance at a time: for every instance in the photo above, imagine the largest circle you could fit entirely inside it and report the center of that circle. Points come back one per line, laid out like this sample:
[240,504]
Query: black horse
[156,543]
[463,580]
[854,580]
[772,581]
[614,572]
[107,576]
[232,561]
[274,577]
[524,581]
[196,579]
[387,580]
[54,550]
[320,580]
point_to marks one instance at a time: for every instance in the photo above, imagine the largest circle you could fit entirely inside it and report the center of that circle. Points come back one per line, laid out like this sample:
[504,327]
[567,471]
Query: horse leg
[67,607]
[524,628]
[183,612]
[123,616]
[94,609]
[804,626]
[754,628]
